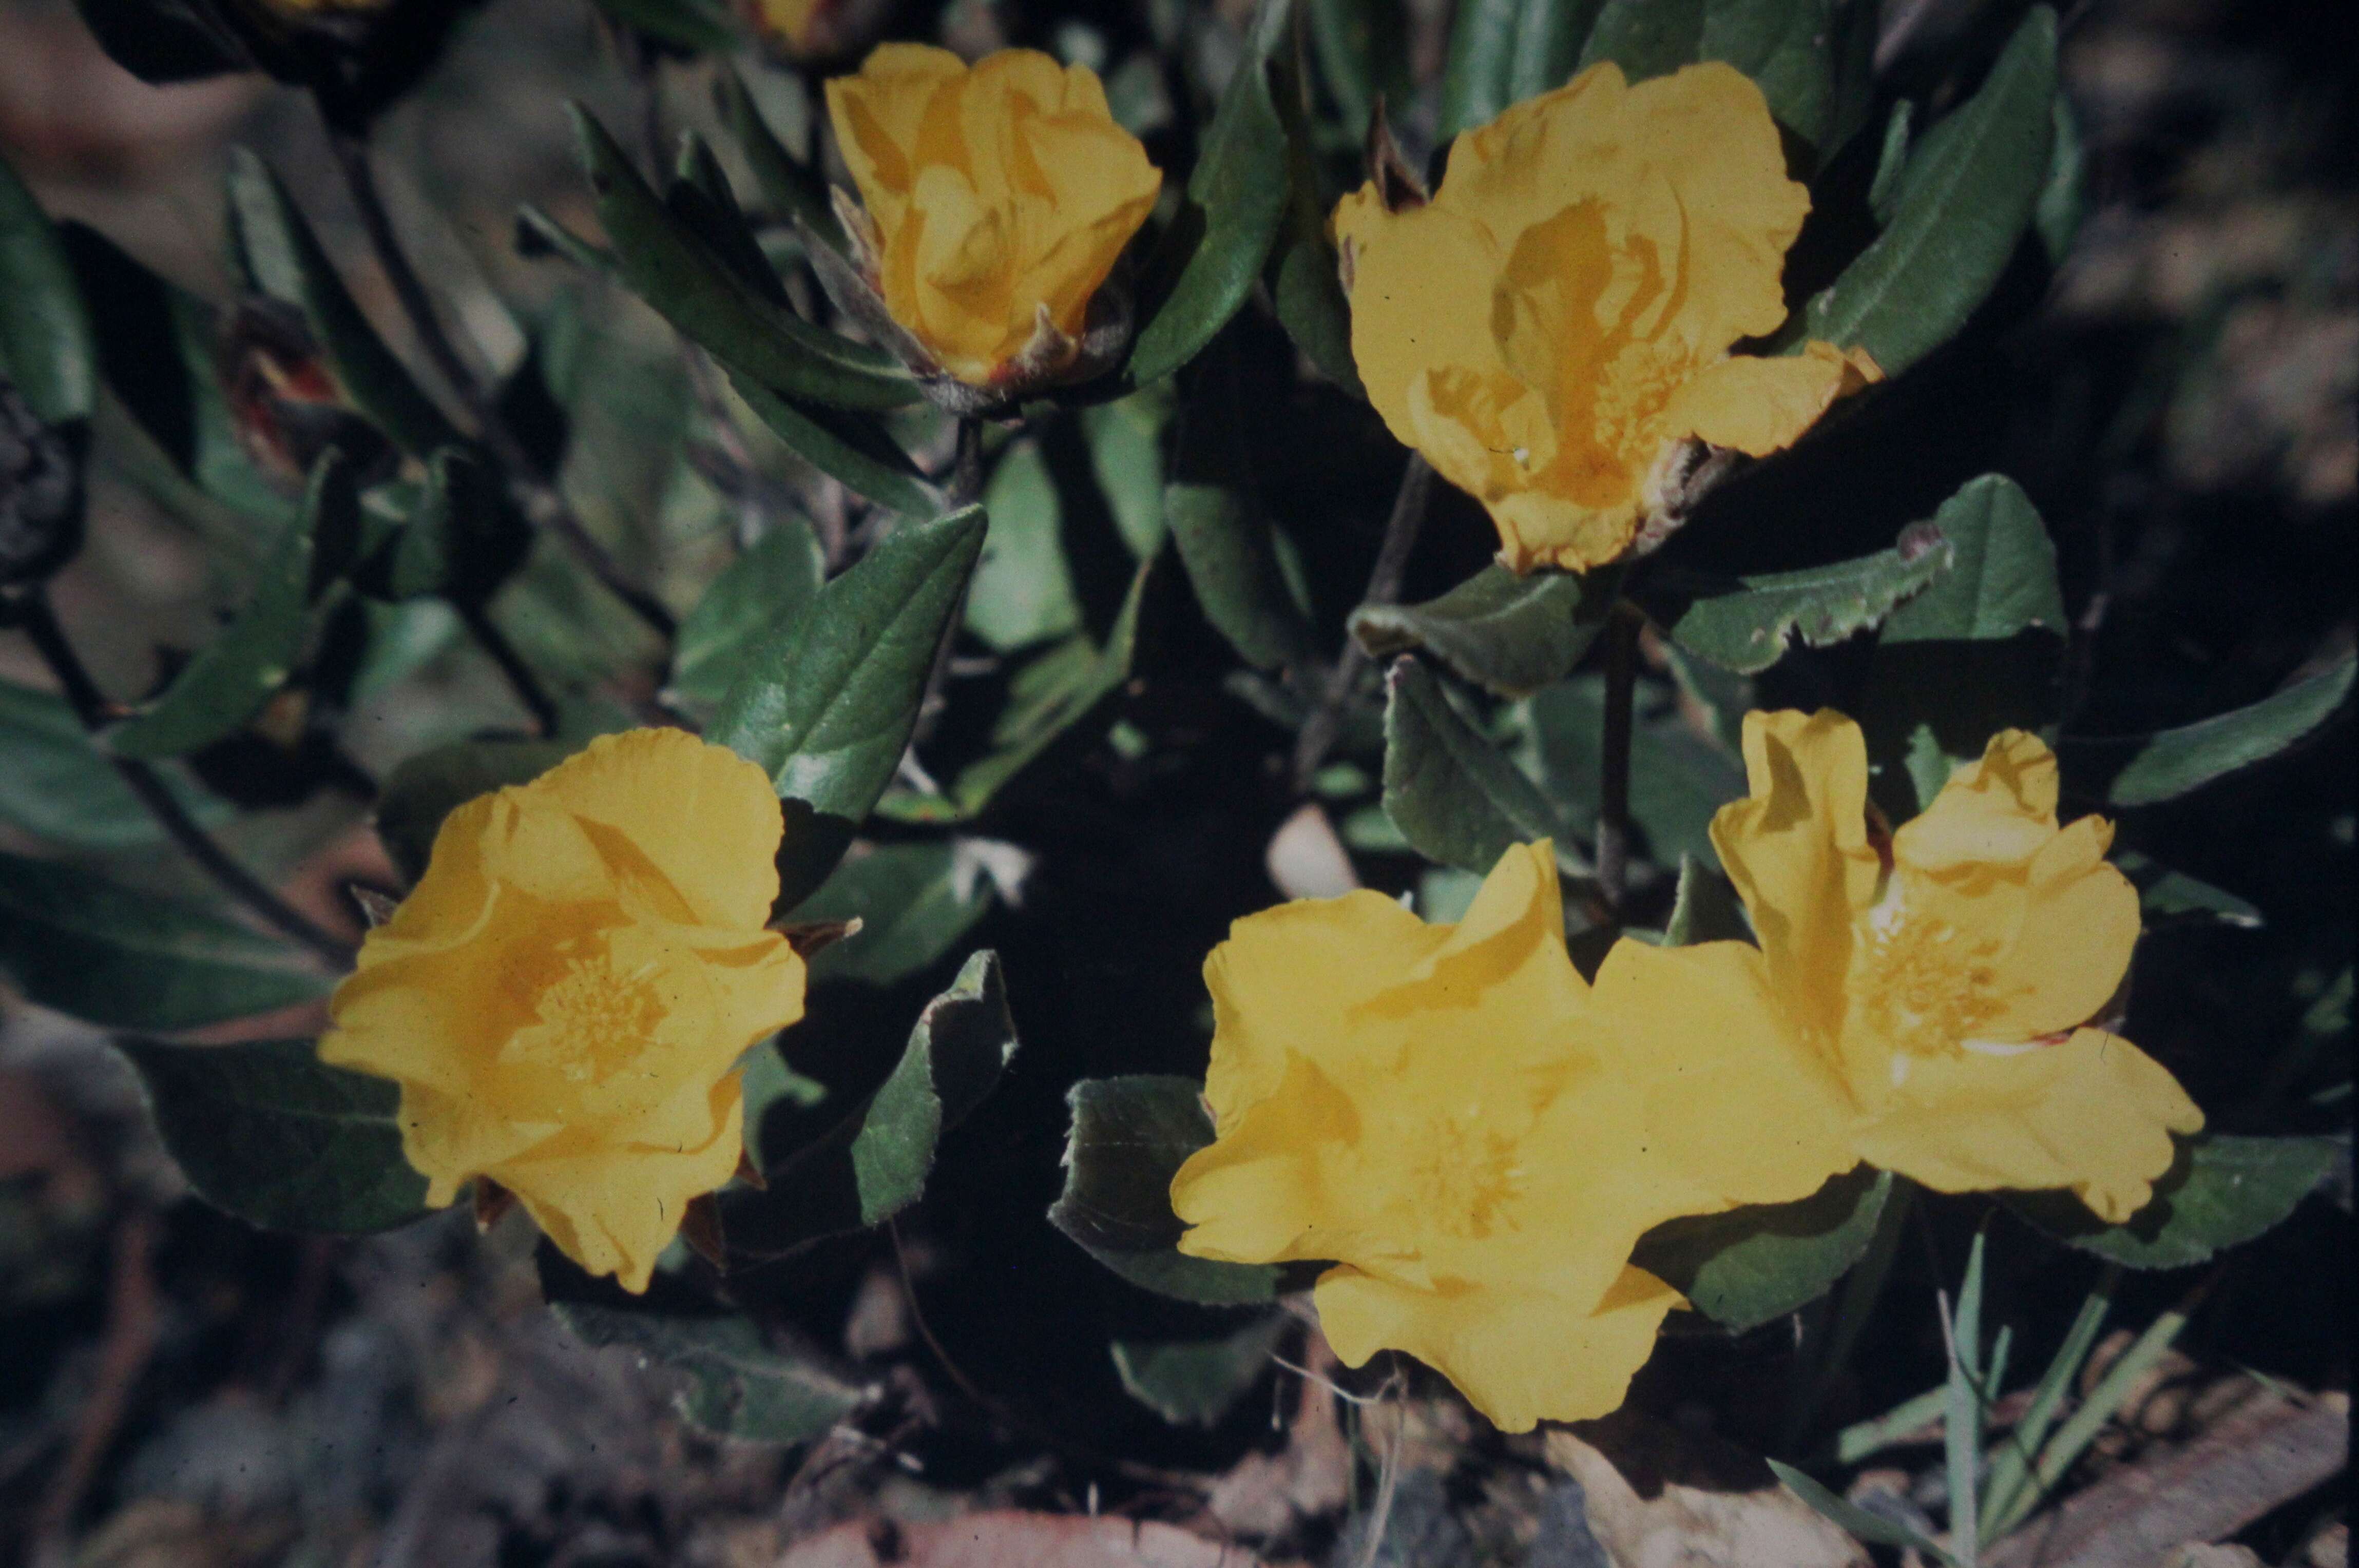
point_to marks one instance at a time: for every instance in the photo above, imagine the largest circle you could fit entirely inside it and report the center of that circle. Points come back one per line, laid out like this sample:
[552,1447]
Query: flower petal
[1797,851]
[703,816]
[1733,1099]
[1521,1355]
[1761,405]
[2093,1113]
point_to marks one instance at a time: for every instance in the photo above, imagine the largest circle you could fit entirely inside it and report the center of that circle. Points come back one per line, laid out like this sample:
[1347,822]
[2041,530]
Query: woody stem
[32,613]
[1613,781]
[543,505]
[1318,731]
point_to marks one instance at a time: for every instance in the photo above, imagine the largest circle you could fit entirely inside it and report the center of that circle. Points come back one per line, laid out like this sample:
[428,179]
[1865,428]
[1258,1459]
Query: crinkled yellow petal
[1282,982]
[1797,851]
[699,814]
[1998,811]
[877,115]
[2093,1113]
[1733,1099]
[1263,1192]
[1760,405]
[1519,1356]
[1414,309]
[613,1210]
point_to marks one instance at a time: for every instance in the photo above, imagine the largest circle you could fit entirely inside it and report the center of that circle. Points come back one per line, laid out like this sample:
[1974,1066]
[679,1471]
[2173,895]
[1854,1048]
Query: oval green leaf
[1749,1265]
[47,346]
[2139,770]
[1453,795]
[267,1131]
[2221,1192]
[1509,634]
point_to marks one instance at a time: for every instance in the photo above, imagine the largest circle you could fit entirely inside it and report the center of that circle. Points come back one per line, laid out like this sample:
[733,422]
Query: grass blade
[2013,1466]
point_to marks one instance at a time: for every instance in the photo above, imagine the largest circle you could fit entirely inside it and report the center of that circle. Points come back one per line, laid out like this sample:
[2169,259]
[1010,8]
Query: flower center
[590,1020]
[1467,1176]
[1927,986]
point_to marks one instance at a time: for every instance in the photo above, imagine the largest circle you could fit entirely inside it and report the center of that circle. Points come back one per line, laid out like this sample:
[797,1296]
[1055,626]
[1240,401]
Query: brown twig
[1326,721]
[130,1340]
[520,678]
[1613,781]
[543,505]
[32,613]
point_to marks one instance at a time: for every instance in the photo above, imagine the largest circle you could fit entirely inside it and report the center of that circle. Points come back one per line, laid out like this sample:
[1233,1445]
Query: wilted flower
[1437,1110]
[998,199]
[1933,1004]
[1552,329]
[565,996]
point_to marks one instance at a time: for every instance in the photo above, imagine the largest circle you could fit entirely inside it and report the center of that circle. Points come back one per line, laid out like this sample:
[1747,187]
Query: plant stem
[1318,731]
[520,678]
[966,465]
[1622,627]
[90,705]
[543,505]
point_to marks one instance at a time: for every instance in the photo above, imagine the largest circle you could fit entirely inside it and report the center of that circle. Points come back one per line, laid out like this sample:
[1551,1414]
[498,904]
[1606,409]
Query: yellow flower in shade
[1436,1109]
[1926,1004]
[998,199]
[1552,329]
[564,996]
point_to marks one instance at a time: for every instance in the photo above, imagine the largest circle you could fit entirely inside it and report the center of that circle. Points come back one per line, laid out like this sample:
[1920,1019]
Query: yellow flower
[1000,197]
[564,996]
[1552,329]
[1435,1110]
[1924,1004]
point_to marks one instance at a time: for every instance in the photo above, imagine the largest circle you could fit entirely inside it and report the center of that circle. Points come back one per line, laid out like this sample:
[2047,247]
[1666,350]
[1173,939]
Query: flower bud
[997,201]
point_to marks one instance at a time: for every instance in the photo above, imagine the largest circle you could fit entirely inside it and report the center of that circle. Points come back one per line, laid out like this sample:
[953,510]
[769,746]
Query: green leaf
[1647,37]
[538,235]
[915,901]
[1023,590]
[2064,199]
[1706,909]
[1790,49]
[2002,576]
[1961,204]
[792,189]
[844,445]
[676,273]
[2173,898]
[1208,258]
[1746,1266]
[281,258]
[233,675]
[875,1162]
[826,706]
[1126,442]
[1678,779]
[428,786]
[2220,1191]
[56,785]
[1055,696]
[47,346]
[1452,794]
[734,1383]
[961,1043]
[1225,540]
[1195,1382]
[126,958]
[699,195]
[694,24]
[1884,190]
[1856,1520]
[1977,652]
[756,596]
[267,1131]
[1129,1135]
[2139,770]
[1743,623]
[1362,50]
[462,541]
[1502,51]
[1508,635]
[1304,283]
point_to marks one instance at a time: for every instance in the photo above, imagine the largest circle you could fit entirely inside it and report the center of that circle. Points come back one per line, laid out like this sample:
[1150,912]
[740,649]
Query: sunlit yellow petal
[1797,851]
[1520,1356]
[2093,1113]
[1760,405]
[1734,1098]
